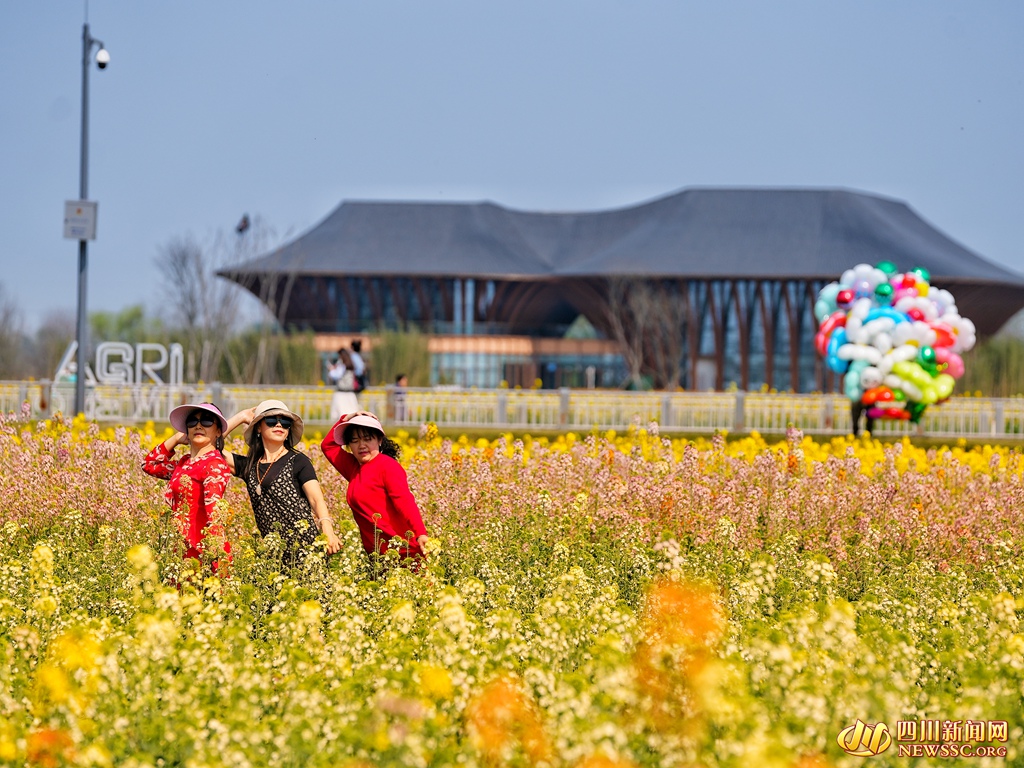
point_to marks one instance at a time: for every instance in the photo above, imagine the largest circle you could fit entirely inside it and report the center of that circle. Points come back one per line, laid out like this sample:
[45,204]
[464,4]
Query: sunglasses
[273,421]
[206,419]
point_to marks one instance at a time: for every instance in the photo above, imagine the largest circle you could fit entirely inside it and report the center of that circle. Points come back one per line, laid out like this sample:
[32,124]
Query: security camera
[102,58]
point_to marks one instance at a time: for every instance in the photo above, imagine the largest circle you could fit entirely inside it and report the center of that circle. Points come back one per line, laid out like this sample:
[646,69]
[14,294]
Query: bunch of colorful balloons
[898,339]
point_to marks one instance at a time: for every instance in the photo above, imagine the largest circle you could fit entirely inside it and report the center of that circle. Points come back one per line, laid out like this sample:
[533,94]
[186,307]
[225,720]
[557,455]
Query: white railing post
[501,408]
[739,421]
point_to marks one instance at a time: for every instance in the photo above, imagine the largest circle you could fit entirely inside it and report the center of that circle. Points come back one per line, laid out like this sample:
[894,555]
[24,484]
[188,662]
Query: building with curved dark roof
[729,274]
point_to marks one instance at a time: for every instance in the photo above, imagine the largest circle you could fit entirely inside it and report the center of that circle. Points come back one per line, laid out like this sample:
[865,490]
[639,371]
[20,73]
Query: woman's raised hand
[350,416]
[244,416]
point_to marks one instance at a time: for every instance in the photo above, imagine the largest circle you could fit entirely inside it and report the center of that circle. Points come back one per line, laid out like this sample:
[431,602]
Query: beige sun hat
[362,420]
[275,408]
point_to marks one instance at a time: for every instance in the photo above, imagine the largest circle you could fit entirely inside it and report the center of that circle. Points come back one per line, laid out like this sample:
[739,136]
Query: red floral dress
[194,488]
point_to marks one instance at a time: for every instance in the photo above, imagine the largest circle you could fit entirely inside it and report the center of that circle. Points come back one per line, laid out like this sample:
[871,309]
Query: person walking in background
[358,364]
[197,480]
[378,490]
[342,375]
[282,483]
[398,397]
[856,409]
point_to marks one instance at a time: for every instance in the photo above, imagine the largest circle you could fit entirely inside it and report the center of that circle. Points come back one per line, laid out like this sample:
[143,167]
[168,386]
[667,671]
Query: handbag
[347,382]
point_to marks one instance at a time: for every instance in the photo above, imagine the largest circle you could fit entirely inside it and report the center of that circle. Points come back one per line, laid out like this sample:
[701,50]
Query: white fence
[531,410]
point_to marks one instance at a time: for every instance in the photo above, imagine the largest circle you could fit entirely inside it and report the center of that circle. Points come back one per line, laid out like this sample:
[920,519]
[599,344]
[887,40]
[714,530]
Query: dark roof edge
[612,209]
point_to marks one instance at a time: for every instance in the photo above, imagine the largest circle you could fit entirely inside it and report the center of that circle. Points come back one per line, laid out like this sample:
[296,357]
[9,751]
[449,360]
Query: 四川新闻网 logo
[864,740]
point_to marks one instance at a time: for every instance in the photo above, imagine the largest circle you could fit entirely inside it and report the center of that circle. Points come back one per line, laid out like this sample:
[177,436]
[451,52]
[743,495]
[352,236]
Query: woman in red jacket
[378,490]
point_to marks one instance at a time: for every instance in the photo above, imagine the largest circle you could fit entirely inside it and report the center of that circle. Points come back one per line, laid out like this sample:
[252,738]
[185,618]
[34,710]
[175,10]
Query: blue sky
[283,110]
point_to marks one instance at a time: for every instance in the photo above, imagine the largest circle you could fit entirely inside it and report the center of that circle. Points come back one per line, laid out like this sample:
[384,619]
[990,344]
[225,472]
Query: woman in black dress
[283,488]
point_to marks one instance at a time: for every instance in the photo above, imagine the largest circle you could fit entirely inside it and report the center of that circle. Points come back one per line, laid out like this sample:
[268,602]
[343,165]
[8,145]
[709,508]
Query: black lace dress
[278,502]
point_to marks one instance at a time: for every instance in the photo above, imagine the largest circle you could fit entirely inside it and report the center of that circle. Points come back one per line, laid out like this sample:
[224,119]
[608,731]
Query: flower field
[590,601]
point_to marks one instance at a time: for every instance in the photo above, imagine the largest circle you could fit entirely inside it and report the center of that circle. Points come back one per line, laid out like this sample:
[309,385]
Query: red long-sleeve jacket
[381,502]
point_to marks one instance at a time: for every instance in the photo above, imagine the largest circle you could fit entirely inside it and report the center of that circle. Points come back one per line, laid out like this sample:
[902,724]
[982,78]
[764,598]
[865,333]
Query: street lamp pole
[82,329]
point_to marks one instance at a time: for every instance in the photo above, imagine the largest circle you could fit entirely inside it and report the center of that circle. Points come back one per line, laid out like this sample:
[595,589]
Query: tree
[51,341]
[251,355]
[11,338]
[627,316]
[995,368]
[666,349]
[298,361]
[129,325]
[204,309]
[208,308]
[648,321]
[279,356]
[396,352]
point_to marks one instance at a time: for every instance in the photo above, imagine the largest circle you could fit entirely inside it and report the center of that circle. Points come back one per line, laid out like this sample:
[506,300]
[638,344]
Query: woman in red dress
[196,480]
[378,490]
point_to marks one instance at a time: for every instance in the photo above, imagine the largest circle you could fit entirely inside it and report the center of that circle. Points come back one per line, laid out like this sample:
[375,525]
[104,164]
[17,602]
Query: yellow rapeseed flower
[140,557]
[52,685]
[76,649]
[310,612]
[41,564]
[435,682]
[45,605]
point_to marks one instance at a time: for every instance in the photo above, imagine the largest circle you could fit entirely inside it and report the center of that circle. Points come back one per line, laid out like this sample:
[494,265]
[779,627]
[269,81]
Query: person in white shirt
[343,377]
[358,364]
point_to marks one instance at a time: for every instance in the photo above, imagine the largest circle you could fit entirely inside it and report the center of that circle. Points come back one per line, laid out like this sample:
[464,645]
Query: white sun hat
[275,408]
